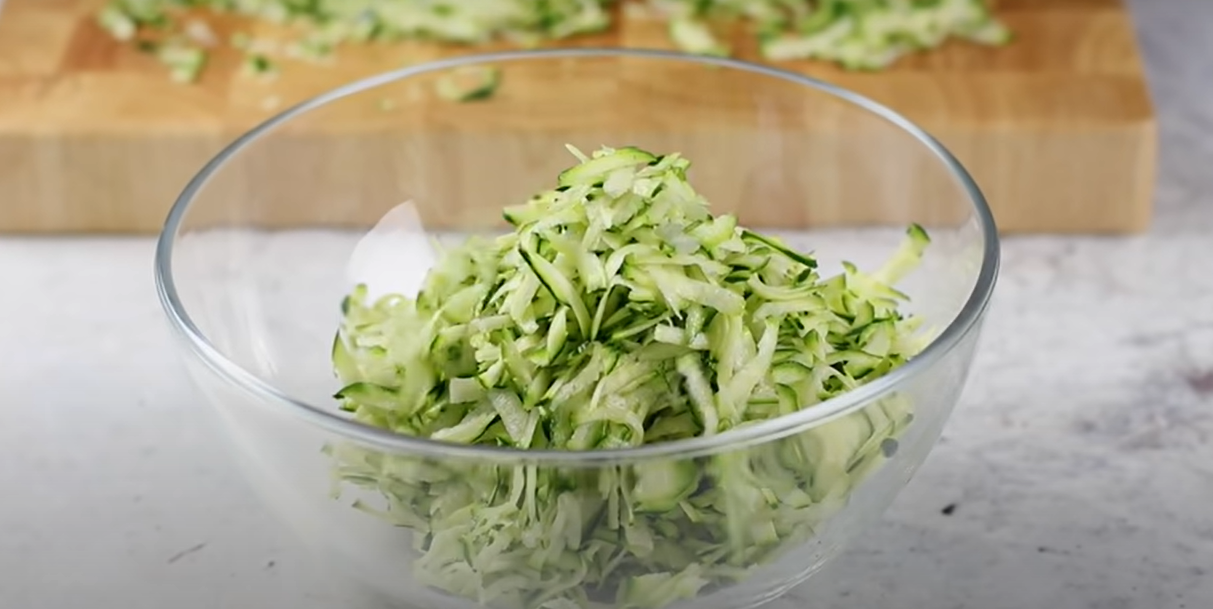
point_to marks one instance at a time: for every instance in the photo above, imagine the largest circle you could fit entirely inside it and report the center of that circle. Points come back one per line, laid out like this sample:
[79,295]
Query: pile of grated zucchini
[619,312]
[857,34]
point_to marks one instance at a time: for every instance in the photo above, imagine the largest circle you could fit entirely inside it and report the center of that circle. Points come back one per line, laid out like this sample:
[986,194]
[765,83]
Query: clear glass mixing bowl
[251,268]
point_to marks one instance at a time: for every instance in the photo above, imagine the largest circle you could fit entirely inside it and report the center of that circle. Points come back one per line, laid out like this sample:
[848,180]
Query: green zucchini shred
[120,24]
[618,314]
[257,64]
[469,83]
[695,36]
[185,62]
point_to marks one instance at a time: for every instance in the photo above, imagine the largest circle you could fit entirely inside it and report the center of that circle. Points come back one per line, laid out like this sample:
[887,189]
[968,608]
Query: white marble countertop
[1076,474]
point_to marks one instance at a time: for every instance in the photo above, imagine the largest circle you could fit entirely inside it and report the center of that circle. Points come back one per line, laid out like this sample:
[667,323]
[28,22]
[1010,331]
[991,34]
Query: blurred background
[1076,472]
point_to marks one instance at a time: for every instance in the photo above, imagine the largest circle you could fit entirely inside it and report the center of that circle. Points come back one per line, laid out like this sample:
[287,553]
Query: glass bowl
[252,265]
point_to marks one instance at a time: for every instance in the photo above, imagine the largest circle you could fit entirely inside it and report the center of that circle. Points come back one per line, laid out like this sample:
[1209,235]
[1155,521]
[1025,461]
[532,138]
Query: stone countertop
[1077,472]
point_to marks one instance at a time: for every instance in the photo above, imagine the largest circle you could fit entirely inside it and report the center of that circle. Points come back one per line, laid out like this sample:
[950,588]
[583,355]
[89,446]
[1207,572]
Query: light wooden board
[1058,129]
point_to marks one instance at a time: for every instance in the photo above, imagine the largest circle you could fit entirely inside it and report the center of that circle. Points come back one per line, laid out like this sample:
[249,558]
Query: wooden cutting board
[1057,128]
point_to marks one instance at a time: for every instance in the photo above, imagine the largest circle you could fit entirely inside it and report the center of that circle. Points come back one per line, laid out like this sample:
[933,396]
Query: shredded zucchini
[469,83]
[185,62]
[117,22]
[256,64]
[619,312]
[871,36]
[857,34]
[694,36]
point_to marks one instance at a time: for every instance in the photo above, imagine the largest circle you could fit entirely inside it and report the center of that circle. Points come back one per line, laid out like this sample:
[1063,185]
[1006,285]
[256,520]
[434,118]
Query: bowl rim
[967,320]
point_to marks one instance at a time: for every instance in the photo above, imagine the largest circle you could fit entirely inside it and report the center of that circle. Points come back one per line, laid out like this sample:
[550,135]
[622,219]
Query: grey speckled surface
[1079,464]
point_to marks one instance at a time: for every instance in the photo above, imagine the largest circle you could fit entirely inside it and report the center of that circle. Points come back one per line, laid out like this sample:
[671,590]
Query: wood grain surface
[1057,129]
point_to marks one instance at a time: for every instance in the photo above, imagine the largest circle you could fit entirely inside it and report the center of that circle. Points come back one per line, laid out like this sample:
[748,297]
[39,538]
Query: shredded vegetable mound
[619,312]
[857,34]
